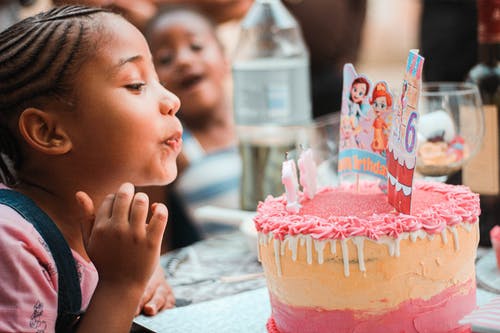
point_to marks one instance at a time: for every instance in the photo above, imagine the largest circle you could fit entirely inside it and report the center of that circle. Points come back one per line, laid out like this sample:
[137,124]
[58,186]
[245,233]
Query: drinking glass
[322,136]
[450,128]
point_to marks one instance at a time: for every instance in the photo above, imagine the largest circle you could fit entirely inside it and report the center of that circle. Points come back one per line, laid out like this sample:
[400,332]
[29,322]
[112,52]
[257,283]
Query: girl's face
[124,125]
[380,105]
[190,61]
[358,92]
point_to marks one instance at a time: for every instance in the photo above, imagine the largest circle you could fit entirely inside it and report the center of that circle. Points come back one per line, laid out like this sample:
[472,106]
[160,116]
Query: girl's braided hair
[39,56]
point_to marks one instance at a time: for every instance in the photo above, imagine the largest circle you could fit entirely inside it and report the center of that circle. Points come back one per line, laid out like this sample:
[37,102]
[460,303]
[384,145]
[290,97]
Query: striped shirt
[210,179]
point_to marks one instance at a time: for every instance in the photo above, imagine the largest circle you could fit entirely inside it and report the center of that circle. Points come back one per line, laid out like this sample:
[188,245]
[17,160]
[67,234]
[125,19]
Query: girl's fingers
[139,211]
[123,200]
[157,223]
[104,211]
[88,214]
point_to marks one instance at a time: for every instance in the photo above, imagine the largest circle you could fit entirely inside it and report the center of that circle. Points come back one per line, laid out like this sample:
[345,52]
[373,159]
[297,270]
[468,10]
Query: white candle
[308,173]
[289,180]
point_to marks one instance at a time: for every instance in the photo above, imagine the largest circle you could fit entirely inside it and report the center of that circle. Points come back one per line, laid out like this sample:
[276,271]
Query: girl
[83,115]
[190,61]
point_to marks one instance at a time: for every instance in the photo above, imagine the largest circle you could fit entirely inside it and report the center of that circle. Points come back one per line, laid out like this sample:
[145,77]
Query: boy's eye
[136,86]
[196,46]
[165,60]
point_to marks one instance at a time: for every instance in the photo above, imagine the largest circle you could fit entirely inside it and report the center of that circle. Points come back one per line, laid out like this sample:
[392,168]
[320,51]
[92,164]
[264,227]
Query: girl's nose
[169,102]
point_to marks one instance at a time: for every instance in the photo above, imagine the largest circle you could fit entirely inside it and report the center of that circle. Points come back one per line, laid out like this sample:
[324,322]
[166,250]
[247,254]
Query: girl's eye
[136,86]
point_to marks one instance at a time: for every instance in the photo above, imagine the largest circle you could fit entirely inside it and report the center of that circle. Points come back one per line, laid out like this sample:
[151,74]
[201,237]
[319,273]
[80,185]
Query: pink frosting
[338,213]
[439,314]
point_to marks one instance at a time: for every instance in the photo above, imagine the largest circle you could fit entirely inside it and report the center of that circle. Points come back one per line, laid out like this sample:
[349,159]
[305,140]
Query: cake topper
[365,121]
[401,151]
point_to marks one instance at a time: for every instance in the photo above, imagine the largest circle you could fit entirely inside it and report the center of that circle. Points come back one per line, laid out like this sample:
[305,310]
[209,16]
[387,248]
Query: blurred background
[391,28]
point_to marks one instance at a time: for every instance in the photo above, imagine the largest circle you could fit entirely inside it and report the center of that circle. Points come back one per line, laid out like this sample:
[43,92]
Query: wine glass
[322,136]
[450,128]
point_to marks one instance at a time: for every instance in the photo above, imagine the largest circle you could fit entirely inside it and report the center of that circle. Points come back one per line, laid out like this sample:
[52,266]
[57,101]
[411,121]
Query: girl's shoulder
[16,232]
[29,276]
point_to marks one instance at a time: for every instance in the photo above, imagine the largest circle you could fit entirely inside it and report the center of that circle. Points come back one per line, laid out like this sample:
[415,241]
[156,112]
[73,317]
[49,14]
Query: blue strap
[69,295]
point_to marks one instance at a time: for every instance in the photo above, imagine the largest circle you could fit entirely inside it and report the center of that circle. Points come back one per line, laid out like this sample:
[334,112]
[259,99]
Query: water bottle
[272,102]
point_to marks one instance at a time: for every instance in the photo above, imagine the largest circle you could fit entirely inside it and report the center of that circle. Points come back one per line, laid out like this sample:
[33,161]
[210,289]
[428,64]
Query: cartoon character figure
[359,90]
[381,102]
[346,132]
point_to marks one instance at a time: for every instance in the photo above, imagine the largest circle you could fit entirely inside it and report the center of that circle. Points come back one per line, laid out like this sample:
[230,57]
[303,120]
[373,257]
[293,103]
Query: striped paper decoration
[485,319]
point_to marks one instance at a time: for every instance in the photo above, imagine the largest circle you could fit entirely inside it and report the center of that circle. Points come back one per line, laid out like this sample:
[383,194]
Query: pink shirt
[28,277]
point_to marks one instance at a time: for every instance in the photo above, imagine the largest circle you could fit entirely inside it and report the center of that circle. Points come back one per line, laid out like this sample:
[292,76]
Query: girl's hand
[157,296]
[122,246]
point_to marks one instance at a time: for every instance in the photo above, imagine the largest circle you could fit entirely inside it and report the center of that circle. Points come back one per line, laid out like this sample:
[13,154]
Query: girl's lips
[175,143]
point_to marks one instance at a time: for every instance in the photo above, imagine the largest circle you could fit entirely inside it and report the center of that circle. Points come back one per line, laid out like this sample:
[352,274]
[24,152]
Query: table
[220,288]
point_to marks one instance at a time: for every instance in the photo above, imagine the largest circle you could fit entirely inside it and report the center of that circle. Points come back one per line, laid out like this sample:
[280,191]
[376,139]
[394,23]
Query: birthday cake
[346,261]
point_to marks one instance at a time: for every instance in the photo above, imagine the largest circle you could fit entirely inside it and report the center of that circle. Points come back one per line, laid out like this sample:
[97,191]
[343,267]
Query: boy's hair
[39,57]
[168,9]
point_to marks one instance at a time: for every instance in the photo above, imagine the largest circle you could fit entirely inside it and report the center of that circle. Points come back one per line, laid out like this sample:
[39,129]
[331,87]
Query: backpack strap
[69,297]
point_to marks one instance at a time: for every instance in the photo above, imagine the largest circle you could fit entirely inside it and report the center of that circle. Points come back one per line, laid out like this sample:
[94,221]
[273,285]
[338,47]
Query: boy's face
[190,61]
[124,125]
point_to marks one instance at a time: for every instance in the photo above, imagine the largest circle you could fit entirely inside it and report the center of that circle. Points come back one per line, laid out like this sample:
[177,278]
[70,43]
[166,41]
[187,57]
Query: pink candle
[289,180]
[308,173]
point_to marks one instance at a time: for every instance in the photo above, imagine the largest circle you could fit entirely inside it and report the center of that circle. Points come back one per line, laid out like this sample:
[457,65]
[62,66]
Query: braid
[38,57]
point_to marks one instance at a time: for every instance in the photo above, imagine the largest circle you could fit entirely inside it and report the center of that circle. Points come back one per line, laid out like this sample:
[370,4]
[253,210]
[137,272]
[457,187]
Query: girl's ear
[44,132]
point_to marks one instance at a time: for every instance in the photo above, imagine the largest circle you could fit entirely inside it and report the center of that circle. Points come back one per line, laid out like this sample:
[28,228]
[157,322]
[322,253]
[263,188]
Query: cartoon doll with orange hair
[381,102]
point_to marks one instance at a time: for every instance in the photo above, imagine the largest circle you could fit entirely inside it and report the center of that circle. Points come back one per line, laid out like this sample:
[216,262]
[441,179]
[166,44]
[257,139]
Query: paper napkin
[486,318]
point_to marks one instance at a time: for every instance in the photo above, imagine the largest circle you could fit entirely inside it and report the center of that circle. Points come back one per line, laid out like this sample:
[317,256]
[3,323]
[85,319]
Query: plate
[487,273]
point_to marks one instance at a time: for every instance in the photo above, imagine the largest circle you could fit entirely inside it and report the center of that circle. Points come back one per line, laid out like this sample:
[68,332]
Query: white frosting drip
[309,249]
[283,245]
[293,244]
[467,226]
[345,256]
[444,236]
[417,234]
[277,255]
[404,235]
[320,249]
[454,232]
[333,246]
[389,242]
[393,245]
[360,244]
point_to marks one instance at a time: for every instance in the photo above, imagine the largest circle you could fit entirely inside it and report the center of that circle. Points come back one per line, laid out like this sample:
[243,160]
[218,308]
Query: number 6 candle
[289,180]
[308,172]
